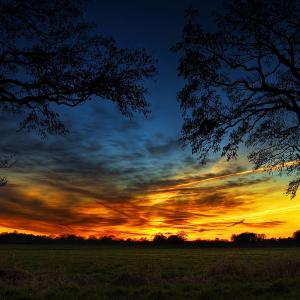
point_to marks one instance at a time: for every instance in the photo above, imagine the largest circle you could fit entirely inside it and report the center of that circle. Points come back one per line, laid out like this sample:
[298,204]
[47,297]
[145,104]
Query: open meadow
[77,272]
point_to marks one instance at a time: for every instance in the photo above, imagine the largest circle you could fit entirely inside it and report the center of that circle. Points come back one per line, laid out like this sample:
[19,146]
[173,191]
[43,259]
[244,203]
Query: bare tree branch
[6,161]
[49,56]
[243,84]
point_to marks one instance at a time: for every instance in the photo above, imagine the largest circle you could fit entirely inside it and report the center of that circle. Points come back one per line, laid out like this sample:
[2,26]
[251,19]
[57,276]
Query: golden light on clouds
[214,202]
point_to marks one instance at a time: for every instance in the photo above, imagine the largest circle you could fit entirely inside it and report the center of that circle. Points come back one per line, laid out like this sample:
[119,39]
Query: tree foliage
[49,56]
[243,84]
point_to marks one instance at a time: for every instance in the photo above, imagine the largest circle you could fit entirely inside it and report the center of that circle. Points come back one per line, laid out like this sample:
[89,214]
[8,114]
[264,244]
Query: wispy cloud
[91,182]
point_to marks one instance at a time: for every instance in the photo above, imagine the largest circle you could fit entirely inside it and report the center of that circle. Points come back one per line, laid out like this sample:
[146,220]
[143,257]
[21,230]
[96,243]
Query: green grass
[49,272]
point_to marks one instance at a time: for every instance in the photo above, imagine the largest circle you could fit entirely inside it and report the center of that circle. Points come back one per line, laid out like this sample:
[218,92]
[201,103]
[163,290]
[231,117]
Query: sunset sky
[132,178]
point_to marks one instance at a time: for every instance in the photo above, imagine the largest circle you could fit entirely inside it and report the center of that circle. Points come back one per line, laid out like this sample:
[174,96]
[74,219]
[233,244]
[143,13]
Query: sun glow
[215,202]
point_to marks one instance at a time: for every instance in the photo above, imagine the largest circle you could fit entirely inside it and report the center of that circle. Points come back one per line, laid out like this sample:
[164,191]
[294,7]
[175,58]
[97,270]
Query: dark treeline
[246,239]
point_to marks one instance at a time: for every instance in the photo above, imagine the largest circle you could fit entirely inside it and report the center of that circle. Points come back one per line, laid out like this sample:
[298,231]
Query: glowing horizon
[212,203]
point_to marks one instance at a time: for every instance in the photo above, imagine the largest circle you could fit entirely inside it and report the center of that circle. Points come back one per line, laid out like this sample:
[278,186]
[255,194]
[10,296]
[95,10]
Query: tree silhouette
[247,237]
[6,161]
[159,239]
[175,239]
[296,235]
[49,56]
[243,84]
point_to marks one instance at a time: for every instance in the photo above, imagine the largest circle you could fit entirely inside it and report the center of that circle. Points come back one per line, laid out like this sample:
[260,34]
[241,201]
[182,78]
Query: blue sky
[113,175]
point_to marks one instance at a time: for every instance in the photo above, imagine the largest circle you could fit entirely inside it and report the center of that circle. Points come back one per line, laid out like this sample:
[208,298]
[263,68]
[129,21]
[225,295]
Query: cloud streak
[83,185]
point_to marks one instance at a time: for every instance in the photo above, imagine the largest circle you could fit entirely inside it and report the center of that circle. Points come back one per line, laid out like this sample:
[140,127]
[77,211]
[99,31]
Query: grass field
[70,272]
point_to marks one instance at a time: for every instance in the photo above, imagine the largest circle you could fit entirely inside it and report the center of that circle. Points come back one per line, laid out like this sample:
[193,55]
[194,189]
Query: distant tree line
[246,239]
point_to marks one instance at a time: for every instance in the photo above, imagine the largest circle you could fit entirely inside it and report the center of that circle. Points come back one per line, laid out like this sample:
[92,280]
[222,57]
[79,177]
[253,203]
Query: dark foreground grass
[48,272]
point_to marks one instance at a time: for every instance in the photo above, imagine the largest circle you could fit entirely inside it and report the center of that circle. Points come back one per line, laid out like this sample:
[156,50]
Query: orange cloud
[205,205]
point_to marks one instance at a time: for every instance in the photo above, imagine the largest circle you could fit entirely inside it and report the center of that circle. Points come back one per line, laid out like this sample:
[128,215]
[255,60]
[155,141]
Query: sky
[132,178]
